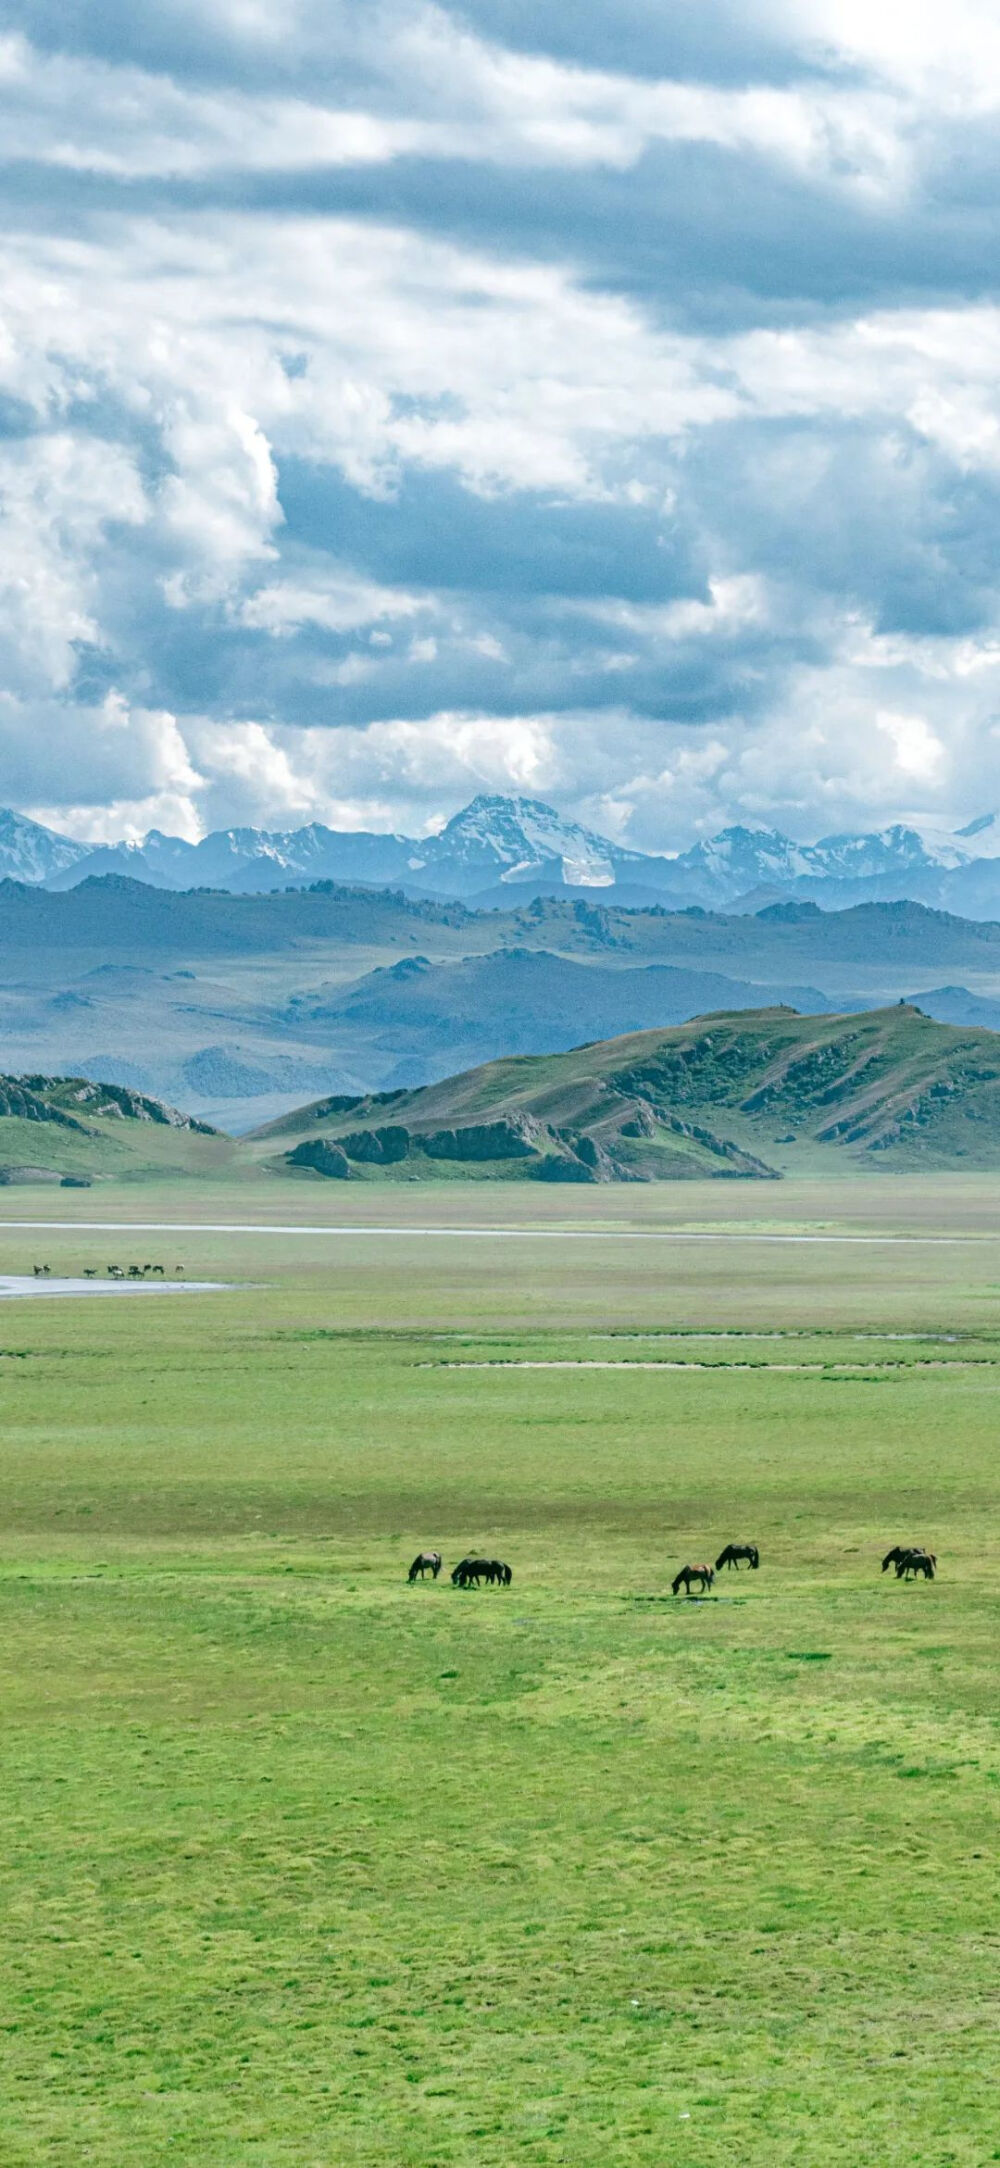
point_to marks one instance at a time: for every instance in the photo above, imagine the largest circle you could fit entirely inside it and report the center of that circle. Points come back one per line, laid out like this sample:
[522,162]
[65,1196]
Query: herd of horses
[909,1559]
[115,1272]
[469,1572]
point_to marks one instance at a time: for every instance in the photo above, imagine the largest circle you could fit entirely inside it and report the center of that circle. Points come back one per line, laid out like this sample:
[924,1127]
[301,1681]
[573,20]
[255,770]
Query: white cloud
[919,754]
[467,100]
[339,602]
[179,363]
[59,495]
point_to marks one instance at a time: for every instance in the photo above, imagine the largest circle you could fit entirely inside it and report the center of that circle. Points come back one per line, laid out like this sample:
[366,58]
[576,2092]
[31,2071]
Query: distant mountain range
[237,1006]
[499,849]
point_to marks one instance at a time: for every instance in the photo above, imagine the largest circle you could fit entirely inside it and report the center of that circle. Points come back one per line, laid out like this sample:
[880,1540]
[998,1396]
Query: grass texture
[302,1866]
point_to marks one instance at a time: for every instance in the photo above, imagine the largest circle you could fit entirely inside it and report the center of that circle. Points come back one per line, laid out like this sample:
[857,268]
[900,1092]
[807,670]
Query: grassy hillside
[753,1094]
[69,1129]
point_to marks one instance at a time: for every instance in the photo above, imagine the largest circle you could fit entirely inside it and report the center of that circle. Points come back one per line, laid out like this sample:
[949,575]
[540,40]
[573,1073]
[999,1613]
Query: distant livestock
[425,1562]
[914,1562]
[471,1571]
[733,1553]
[910,1558]
[705,1575]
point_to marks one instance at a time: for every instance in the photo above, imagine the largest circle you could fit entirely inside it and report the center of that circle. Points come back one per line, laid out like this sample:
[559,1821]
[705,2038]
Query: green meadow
[304,1867]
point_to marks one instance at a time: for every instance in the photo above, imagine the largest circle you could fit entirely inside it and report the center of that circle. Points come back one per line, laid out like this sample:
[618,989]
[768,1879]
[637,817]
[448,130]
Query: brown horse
[687,1574]
[425,1562]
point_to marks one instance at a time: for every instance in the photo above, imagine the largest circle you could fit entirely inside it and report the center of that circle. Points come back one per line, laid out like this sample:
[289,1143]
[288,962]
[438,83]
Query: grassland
[303,1867]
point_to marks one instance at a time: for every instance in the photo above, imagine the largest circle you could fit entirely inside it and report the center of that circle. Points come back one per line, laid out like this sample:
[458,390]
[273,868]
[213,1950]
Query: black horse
[901,1553]
[471,1571]
[425,1562]
[734,1552]
[687,1574]
[916,1562]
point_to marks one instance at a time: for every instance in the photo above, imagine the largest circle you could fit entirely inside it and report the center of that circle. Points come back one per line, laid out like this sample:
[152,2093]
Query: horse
[687,1574]
[916,1562]
[425,1561]
[470,1571]
[902,1551]
[500,1573]
[734,1552]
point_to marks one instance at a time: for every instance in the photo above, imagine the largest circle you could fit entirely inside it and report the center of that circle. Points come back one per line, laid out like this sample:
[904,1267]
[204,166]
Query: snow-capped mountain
[499,847]
[740,860]
[29,852]
[514,840]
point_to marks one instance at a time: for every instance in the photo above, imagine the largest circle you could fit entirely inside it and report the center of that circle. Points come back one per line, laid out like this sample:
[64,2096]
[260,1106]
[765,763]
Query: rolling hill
[240,1007]
[728,1094]
[69,1130]
[513,1001]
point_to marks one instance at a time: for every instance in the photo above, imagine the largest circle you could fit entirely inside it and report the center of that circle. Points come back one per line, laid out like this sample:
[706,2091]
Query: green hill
[753,1094]
[70,1130]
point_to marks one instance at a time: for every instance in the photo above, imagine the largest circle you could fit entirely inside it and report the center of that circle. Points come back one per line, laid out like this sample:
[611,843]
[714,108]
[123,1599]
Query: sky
[402,401]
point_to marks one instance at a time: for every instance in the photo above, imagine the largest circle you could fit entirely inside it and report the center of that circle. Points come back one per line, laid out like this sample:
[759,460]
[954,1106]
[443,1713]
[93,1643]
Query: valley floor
[300,1864]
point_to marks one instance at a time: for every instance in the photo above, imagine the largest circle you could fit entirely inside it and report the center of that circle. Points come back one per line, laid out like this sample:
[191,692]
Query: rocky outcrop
[120,1099]
[740,1161]
[642,1123]
[321,1158]
[377,1147]
[21,1097]
[516,1138]
[556,1169]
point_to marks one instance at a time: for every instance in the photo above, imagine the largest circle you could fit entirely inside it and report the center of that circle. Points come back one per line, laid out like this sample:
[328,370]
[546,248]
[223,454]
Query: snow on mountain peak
[521,836]
[29,852]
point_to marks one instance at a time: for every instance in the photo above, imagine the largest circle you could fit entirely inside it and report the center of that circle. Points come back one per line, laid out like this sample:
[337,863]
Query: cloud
[398,400]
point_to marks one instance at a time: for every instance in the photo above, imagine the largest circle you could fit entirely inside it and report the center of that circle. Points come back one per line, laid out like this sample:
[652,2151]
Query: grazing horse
[734,1552]
[916,1562]
[470,1571]
[687,1574]
[425,1562]
[903,1551]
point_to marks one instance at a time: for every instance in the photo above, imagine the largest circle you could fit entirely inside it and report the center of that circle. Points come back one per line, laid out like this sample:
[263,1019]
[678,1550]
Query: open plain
[306,1867]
